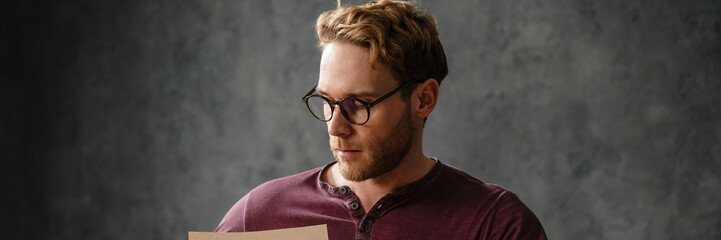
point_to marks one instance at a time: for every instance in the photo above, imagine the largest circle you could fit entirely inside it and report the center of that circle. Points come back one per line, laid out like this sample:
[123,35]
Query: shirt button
[363,227]
[343,190]
[354,205]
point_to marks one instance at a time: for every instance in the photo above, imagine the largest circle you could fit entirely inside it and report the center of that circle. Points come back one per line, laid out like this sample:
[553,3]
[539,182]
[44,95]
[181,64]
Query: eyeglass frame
[343,111]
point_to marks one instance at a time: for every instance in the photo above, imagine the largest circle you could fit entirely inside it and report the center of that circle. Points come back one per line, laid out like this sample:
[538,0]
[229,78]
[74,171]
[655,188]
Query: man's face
[369,150]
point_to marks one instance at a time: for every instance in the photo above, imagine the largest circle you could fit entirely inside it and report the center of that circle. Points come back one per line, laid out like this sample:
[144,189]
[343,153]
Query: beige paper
[317,232]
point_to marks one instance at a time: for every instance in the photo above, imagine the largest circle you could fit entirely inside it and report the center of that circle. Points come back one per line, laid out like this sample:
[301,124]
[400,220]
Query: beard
[385,153]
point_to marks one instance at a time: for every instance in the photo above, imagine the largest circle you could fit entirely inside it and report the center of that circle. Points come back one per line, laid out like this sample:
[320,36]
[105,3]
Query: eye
[353,105]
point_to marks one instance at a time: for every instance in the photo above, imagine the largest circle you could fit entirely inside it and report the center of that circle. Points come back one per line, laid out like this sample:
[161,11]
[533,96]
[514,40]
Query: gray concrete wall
[148,119]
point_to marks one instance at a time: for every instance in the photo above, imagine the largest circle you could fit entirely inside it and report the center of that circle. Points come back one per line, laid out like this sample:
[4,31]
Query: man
[380,71]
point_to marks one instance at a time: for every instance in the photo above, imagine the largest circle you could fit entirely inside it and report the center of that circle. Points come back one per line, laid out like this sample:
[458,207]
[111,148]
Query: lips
[346,153]
[345,149]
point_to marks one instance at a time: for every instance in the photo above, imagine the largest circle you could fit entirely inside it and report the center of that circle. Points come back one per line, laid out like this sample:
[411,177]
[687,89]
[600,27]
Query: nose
[338,126]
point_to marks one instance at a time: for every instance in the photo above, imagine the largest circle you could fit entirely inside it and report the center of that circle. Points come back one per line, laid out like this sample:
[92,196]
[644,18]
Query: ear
[425,98]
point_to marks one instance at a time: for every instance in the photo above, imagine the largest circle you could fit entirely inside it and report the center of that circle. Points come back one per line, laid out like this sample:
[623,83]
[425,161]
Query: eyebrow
[351,95]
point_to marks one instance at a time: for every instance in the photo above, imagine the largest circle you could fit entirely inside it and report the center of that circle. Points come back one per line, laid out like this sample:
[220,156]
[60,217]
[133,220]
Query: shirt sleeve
[514,220]
[234,220]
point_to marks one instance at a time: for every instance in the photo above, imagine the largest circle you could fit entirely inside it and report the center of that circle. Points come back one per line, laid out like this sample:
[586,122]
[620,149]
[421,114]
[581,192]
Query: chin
[353,170]
[345,164]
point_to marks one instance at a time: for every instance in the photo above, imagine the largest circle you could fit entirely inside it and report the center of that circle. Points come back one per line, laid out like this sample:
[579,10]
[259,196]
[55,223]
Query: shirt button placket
[363,227]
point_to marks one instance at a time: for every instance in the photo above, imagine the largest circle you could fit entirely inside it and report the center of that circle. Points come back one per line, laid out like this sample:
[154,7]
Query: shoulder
[509,216]
[462,182]
[286,185]
[515,220]
[278,190]
[286,188]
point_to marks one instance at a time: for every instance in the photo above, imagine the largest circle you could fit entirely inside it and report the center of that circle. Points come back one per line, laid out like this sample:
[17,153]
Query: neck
[414,166]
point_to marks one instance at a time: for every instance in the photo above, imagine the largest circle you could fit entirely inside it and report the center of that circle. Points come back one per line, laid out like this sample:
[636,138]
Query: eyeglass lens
[354,110]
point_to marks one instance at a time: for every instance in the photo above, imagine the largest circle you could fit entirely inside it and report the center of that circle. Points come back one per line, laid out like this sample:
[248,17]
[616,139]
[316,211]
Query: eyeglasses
[354,110]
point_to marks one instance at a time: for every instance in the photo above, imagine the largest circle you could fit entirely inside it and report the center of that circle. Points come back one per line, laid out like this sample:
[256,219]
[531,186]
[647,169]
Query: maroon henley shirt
[447,203]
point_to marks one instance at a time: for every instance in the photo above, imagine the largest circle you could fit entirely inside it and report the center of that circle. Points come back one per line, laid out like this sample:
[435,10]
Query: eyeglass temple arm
[394,91]
[310,92]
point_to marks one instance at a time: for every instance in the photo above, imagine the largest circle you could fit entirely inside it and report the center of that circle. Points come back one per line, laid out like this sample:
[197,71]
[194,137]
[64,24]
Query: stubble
[385,154]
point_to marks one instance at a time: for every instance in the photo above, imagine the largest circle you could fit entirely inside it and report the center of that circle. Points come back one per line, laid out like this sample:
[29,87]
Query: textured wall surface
[148,119]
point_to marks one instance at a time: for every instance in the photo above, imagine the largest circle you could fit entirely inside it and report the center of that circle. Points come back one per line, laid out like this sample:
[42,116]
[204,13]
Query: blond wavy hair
[398,34]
